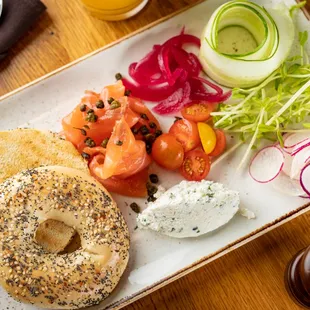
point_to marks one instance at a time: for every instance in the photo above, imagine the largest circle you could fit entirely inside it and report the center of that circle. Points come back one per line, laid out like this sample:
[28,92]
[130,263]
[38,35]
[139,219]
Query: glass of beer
[114,10]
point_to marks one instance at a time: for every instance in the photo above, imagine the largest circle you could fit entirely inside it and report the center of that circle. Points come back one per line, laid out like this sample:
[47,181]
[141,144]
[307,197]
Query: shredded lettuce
[273,107]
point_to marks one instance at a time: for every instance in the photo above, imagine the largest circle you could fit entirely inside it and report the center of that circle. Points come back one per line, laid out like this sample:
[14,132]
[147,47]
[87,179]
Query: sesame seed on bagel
[60,281]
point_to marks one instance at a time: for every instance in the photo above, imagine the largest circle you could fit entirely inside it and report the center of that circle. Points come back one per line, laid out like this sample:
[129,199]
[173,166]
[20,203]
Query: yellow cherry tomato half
[207,137]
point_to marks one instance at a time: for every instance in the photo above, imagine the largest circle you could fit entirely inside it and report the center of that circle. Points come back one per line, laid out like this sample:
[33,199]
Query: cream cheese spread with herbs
[190,209]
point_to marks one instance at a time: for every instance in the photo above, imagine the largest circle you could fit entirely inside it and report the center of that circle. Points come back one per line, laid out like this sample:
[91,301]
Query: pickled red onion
[170,75]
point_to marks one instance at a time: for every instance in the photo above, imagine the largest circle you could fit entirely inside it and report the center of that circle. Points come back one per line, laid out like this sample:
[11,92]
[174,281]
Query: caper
[150,138]
[104,143]
[118,76]
[90,142]
[91,117]
[135,130]
[110,100]
[100,104]
[144,130]
[134,207]
[144,116]
[153,178]
[152,125]
[158,133]
[127,92]
[114,105]
[83,107]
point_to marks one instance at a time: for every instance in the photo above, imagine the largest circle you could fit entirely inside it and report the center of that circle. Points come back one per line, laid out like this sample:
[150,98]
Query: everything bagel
[49,280]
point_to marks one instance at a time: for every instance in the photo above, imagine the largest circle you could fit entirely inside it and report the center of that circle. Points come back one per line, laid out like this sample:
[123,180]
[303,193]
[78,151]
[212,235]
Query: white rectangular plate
[155,260]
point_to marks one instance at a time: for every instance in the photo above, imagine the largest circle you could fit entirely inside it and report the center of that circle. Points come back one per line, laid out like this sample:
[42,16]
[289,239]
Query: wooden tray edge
[126,37]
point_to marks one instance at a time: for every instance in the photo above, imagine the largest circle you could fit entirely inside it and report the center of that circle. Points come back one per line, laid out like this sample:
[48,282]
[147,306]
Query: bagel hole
[57,237]
[73,246]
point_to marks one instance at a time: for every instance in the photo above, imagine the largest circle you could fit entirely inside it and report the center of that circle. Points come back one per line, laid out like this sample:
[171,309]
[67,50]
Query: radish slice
[295,138]
[299,162]
[286,185]
[305,179]
[300,146]
[287,166]
[267,164]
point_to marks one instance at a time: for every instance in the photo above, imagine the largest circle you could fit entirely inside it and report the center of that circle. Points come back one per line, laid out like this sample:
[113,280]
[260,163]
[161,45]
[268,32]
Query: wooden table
[248,278]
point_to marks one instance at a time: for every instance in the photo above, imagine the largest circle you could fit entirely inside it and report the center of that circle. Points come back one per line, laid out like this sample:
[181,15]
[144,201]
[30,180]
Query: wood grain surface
[248,278]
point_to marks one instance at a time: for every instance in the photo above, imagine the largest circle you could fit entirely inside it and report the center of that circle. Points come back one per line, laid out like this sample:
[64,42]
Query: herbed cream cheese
[190,209]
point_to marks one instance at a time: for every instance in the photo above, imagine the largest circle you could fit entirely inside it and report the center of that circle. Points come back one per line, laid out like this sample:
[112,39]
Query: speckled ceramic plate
[155,260]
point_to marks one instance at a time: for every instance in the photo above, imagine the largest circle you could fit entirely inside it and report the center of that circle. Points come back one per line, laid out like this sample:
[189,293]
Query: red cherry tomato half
[198,112]
[196,165]
[220,143]
[168,152]
[186,132]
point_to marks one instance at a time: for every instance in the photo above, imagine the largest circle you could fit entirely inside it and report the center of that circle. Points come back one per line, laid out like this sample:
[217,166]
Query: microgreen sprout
[271,108]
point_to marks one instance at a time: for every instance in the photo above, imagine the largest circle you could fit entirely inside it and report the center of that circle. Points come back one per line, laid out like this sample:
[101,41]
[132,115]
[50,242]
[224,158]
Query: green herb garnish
[273,107]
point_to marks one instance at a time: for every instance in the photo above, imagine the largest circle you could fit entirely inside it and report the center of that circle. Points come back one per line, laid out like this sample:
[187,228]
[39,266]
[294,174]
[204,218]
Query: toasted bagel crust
[22,149]
[48,280]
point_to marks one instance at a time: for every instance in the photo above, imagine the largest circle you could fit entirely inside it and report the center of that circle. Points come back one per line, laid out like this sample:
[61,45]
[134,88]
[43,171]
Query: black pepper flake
[134,207]
[100,104]
[86,127]
[118,76]
[195,228]
[153,178]
[83,107]
[119,142]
